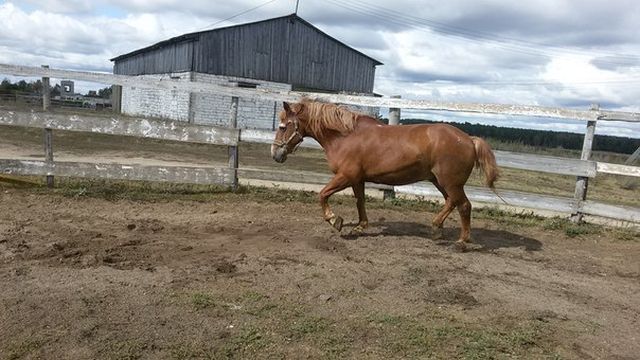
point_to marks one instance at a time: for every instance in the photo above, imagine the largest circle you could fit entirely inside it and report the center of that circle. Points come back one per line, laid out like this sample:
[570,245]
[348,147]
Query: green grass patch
[202,301]
[125,350]
[245,344]
[308,325]
[513,218]
[572,229]
[410,337]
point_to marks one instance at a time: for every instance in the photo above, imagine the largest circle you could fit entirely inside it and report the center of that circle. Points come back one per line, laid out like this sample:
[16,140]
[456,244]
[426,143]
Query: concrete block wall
[210,109]
[165,104]
[253,114]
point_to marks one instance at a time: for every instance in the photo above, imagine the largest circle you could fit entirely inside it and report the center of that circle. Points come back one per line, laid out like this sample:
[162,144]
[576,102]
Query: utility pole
[297,3]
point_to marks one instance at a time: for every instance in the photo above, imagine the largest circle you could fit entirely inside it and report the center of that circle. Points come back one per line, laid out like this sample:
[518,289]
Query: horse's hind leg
[464,208]
[438,221]
[456,198]
[358,192]
[442,215]
[336,184]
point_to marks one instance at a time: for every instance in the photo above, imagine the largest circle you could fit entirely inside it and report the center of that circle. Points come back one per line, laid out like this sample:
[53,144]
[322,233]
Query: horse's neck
[328,139]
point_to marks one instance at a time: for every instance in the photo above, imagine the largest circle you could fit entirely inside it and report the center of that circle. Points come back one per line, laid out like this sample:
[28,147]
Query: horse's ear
[286,106]
[300,108]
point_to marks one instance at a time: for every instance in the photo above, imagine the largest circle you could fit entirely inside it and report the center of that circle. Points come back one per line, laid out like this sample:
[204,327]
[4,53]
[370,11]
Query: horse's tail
[486,161]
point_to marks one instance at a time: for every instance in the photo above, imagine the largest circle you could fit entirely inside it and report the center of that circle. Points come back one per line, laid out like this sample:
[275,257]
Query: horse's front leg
[336,184]
[363,222]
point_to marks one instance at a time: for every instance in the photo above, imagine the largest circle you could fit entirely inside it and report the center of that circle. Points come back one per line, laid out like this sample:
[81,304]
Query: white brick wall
[254,114]
[166,104]
[206,108]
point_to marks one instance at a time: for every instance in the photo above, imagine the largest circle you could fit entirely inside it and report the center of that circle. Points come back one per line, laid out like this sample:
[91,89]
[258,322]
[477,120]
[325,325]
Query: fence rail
[582,168]
[180,174]
[197,87]
[148,128]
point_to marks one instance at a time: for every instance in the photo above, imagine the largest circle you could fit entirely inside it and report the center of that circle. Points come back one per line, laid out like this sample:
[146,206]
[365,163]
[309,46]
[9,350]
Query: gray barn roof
[194,36]
[285,49]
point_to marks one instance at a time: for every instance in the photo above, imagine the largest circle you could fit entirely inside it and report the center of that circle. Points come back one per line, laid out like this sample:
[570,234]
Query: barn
[283,53]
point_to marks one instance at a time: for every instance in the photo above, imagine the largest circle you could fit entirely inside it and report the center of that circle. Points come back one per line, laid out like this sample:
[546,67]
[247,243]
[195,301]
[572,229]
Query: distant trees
[105,93]
[23,86]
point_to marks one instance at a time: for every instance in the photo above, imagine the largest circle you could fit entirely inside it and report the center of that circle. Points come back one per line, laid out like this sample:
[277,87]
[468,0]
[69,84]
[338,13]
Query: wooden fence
[583,168]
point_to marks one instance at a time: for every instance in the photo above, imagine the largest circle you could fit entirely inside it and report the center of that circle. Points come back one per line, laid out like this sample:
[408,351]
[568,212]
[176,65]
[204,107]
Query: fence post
[394,119]
[47,133]
[394,113]
[192,101]
[116,99]
[46,94]
[582,182]
[635,156]
[233,150]
[48,153]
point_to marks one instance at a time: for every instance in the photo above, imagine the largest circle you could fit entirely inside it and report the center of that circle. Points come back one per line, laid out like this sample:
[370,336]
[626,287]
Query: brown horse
[359,148]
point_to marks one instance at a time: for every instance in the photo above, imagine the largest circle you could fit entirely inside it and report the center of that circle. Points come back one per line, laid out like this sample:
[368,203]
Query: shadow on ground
[483,239]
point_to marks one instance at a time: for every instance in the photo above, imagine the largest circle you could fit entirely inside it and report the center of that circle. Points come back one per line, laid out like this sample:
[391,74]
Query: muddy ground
[255,276]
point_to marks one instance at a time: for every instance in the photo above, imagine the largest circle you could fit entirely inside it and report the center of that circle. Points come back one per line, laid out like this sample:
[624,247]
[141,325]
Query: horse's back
[410,153]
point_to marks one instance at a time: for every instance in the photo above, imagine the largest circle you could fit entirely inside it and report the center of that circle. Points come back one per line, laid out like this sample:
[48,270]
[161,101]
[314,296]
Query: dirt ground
[251,276]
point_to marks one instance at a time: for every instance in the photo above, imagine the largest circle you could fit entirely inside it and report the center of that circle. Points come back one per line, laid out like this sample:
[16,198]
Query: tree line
[543,138]
[35,87]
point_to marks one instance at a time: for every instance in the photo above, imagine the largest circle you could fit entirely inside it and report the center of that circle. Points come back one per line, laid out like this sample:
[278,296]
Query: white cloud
[62,6]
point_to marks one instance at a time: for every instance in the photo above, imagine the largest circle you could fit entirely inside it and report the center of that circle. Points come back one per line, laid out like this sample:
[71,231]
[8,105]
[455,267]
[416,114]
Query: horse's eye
[282,127]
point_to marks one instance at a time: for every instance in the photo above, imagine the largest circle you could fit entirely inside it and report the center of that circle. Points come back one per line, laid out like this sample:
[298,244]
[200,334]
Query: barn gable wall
[283,50]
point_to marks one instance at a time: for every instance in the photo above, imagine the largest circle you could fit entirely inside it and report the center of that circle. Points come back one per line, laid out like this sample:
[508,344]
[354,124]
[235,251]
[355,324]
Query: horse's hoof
[358,230]
[460,246]
[336,222]
[436,234]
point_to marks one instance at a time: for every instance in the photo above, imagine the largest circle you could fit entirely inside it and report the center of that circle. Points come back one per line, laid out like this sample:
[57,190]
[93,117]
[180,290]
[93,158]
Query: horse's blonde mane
[321,117]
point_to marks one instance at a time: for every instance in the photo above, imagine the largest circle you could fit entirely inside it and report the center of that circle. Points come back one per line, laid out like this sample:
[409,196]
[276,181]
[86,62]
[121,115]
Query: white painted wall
[208,109]
[252,114]
[166,104]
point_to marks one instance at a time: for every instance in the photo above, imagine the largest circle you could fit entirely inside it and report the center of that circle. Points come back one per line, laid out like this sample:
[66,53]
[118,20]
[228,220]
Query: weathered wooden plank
[116,99]
[580,193]
[394,113]
[233,150]
[48,153]
[146,82]
[549,164]
[284,176]
[618,116]
[148,128]
[296,177]
[46,92]
[267,137]
[618,212]
[617,169]
[513,198]
[635,156]
[171,84]
[178,174]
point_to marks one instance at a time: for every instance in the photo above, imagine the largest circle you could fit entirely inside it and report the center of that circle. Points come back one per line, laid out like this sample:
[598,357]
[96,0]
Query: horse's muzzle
[278,153]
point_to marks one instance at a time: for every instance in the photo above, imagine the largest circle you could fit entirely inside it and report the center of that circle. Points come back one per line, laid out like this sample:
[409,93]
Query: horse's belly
[403,176]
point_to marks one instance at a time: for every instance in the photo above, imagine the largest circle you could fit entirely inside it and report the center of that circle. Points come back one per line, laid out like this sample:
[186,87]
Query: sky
[560,53]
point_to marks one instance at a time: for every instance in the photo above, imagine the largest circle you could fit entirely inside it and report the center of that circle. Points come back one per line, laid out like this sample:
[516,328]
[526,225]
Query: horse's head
[289,134]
